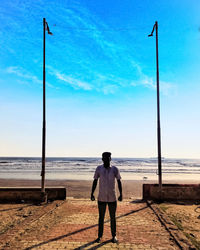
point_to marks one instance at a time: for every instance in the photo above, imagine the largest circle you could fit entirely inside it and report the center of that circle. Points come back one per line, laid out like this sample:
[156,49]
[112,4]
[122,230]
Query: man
[107,175]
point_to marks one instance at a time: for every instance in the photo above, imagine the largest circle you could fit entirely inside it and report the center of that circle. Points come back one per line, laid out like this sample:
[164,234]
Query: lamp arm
[152,30]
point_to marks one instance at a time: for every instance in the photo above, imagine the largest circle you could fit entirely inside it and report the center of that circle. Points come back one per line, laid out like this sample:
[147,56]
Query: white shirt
[107,182]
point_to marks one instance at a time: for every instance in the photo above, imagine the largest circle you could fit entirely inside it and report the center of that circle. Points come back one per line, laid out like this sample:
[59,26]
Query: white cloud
[99,79]
[110,89]
[25,75]
[165,87]
[75,83]
[22,73]
[114,51]
[143,79]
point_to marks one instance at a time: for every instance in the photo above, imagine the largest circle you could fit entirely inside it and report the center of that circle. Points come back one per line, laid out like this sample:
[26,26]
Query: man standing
[107,175]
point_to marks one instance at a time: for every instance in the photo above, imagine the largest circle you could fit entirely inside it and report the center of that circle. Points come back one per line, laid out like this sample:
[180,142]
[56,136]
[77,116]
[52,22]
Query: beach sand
[82,188]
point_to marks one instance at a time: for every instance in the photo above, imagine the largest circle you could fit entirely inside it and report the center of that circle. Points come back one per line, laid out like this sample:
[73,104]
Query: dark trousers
[112,206]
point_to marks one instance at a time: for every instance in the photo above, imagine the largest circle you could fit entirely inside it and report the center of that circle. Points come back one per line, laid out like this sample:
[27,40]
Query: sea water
[75,168]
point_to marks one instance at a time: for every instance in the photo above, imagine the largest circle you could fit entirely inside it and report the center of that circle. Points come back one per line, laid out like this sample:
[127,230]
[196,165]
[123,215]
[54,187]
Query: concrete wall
[172,192]
[25,194]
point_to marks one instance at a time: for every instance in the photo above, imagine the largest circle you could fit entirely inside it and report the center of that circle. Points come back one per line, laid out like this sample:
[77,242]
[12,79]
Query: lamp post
[158,109]
[45,27]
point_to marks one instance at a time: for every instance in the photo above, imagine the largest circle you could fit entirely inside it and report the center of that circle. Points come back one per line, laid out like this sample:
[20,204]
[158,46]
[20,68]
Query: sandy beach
[82,188]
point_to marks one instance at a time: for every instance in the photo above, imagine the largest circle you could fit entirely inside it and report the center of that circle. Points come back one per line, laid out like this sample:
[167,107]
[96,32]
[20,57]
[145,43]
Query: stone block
[172,192]
[31,194]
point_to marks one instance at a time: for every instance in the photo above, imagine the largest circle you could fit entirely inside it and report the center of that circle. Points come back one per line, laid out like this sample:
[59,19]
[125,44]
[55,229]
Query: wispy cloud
[22,73]
[75,83]
[25,75]
[143,79]
[122,67]
[166,88]
[104,60]
[109,89]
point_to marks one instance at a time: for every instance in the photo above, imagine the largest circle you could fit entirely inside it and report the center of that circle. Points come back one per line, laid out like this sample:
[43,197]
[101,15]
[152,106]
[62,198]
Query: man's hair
[106,154]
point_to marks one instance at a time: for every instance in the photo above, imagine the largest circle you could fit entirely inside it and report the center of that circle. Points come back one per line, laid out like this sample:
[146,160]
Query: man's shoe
[98,240]
[114,240]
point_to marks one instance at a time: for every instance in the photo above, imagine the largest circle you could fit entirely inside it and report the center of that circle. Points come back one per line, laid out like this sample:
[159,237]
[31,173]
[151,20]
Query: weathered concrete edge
[33,194]
[180,239]
[171,192]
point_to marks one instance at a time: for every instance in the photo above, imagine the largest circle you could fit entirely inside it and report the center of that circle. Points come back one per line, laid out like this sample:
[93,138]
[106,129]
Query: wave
[76,164]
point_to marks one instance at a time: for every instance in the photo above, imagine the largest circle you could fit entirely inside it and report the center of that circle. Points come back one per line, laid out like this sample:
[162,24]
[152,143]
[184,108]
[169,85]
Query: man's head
[106,158]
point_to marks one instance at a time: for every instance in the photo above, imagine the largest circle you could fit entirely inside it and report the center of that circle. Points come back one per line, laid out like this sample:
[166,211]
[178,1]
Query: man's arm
[94,185]
[120,190]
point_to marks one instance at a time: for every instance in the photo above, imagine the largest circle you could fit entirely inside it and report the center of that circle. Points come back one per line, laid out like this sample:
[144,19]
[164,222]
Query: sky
[100,77]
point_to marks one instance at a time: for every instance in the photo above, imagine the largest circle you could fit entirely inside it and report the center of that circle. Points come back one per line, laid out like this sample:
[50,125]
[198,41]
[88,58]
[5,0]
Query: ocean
[75,168]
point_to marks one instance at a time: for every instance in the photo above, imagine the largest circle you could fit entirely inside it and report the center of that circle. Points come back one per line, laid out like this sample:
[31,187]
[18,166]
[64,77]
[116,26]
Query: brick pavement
[73,225]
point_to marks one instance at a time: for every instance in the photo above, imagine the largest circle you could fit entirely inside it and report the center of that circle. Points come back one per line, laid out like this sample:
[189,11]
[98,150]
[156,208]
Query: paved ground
[72,224]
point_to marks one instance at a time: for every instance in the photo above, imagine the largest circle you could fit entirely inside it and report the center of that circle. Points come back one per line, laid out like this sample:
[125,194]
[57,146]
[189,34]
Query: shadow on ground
[94,247]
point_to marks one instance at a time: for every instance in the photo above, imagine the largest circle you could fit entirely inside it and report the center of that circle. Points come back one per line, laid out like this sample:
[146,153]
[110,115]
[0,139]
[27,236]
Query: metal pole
[158,113]
[44,113]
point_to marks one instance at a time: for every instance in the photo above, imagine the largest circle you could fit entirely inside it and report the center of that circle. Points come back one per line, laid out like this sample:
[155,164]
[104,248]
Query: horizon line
[115,157]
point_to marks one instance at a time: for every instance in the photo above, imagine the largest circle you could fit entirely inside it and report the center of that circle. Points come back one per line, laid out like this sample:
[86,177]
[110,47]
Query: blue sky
[100,76]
